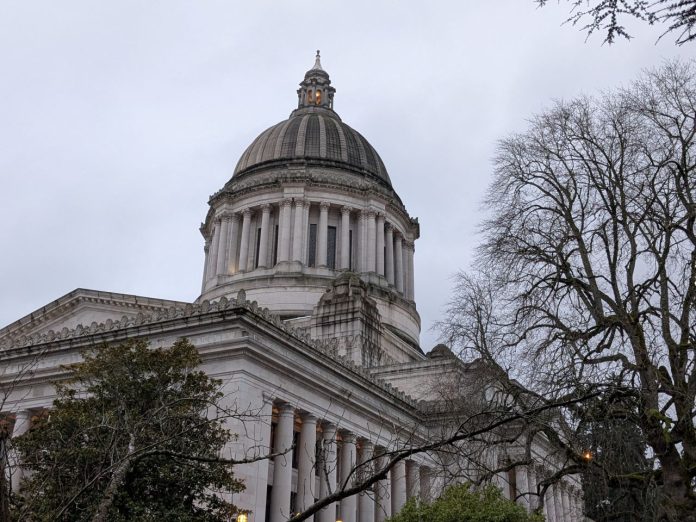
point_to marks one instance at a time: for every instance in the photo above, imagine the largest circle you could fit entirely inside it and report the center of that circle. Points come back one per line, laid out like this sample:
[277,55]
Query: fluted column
[322,234]
[532,484]
[327,472]
[262,261]
[345,238]
[410,248]
[390,252]
[371,241]
[383,492]
[21,425]
[349,504]
[550,504]
[221,258]
[233,249]
[380,244]
[362,250]
[426,484]
[565,502]
[399,257]
[558,502]
[366,503]
[244,247]
[404,264]
[412,479]
[398,486]
[298,232]
[216,244]
[305,232]
[284,230]
[282,465]
[522,486]
[305,463]
[206,251]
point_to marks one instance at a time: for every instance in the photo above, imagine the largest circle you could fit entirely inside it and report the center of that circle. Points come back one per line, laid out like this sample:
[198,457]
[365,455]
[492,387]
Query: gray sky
[119,119]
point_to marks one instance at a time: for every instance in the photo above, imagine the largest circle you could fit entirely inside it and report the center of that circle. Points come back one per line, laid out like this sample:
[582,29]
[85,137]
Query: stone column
[426,484]
[558,502]
[220,257]
[282,465]
[322,234]
[212,272]
[366,503]
[206,251]
[262,261]
[399,257]
[349,504]
[404,264]
[412,479]
[550,504]
[565,502]
[522,486]
[398,486]
[532,483]
[233,250]
[21,425]
[284,230]
[362,250]
[345,238]
[327,472]
[371,241]
[298,232]
[383,492]
[380,244]
[244,247]
[305,463]
[390,252]
[410,248]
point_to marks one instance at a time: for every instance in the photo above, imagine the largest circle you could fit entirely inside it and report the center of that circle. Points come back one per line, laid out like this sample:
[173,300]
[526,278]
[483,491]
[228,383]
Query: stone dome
[316,136]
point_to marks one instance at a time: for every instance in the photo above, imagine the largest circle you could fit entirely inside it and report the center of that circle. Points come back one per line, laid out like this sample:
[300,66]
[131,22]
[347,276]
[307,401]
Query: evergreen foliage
[129,438]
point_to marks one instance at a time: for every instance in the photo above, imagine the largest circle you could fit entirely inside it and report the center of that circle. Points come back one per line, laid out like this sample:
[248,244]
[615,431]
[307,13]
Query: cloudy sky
[118,120]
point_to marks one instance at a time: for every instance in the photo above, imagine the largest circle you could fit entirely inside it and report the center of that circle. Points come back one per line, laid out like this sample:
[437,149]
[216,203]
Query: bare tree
[586,278]
[677,16]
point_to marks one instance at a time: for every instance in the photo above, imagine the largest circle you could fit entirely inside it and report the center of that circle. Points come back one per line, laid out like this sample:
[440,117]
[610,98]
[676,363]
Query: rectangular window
[312,246]
[258,247]
[275,246]
[331,248]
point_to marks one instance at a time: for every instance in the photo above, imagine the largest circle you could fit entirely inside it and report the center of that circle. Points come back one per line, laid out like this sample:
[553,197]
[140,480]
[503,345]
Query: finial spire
[317,62]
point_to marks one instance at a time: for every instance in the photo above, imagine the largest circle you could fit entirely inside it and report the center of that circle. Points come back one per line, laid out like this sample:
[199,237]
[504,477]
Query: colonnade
[326,461]
[364,241]
[562,502]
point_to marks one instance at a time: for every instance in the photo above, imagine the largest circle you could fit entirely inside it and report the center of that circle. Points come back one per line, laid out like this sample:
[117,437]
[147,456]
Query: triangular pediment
[83,307]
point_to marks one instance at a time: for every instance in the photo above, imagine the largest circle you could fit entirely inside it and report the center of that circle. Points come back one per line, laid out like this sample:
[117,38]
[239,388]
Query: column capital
[347,437]
[246,212]
[389,227]
[324,205]
[370,213]
[300,202]
[266,207]
[366,445]
[285,408]
[217,218]
[380,214]
[286,202]
[346,210]
[308,417]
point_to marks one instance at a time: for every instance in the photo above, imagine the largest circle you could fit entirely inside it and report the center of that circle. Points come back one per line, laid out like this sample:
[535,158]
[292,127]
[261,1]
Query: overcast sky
[119,119]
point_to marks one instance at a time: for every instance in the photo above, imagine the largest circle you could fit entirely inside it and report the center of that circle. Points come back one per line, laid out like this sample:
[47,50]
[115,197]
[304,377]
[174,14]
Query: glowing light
[587,455]
[242,517]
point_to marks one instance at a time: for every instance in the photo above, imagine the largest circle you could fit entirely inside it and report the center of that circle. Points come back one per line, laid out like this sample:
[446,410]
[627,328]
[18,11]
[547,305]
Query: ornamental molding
[205,309]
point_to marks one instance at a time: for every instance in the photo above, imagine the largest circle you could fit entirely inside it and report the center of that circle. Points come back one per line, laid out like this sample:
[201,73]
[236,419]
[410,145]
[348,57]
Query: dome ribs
[300,139]
[333,140]
[287,149]
[312,141]
[279,140]
[322,137]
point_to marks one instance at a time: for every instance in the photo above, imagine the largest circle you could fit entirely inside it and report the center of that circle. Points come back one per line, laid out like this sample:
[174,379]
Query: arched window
[318,99]
[309,97]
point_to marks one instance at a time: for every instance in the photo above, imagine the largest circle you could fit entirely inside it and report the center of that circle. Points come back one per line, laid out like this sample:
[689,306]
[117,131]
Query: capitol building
[308,316]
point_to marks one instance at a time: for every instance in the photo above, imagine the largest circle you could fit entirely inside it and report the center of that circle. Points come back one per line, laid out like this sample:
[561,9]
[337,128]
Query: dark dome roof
[315,135]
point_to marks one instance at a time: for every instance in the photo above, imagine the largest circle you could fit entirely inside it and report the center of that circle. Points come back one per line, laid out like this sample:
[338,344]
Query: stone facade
[307,315]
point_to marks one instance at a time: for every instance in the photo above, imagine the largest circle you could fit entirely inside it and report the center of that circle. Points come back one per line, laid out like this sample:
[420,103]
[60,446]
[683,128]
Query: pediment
[83,307]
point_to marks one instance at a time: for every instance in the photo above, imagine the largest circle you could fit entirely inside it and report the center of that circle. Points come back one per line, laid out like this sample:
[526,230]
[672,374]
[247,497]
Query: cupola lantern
[315,90]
